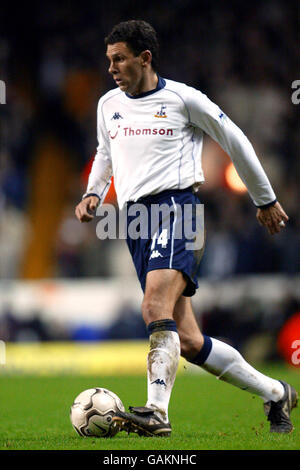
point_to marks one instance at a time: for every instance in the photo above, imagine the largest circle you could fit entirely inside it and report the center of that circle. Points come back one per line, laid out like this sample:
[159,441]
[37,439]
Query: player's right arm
[100,175]
[85,210]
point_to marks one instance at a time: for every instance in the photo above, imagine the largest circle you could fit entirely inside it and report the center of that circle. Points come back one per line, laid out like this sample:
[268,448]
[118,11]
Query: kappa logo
[159,382]
[116,116]
[161,113]
[222,115]
[155,254]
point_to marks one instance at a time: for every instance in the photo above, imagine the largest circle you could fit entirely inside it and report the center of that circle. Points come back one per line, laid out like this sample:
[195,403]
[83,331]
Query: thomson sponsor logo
[130,132]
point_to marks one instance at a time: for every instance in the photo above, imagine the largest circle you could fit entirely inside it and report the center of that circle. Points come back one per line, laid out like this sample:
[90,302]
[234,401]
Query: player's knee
[153,310]
[190,346]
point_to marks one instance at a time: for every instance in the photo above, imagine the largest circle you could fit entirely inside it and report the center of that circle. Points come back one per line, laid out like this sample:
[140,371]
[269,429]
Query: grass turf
[205,414]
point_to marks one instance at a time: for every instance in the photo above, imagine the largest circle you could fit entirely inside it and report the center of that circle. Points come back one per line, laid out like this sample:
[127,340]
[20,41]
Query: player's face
[125,67]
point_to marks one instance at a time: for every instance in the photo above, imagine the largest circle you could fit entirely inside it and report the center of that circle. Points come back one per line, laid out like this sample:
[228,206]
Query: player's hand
[273,218]
[85,210]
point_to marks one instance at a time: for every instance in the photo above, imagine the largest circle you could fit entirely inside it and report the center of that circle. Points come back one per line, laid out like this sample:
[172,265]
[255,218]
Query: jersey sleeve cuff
[265,206]
[90,194]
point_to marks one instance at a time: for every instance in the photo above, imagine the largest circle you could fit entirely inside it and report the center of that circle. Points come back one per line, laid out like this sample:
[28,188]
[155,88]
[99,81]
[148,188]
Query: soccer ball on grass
[92,412]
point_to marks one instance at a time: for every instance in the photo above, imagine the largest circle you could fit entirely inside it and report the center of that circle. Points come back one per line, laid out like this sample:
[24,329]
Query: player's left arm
[208,116]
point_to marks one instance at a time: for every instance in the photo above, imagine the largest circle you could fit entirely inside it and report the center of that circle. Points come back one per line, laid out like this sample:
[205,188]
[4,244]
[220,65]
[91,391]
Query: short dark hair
[138,35]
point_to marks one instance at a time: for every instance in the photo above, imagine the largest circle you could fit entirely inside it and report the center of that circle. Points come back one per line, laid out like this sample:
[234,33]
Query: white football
[92,412]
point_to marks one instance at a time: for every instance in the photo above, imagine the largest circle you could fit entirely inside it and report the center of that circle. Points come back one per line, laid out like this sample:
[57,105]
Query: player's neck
[148,83]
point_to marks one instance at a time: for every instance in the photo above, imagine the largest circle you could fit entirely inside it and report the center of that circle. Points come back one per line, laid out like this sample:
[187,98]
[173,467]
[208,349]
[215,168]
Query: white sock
[163,360]
[227,364]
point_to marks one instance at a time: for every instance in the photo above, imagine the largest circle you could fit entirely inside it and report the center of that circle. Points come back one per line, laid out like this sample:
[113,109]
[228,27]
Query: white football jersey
[153,141]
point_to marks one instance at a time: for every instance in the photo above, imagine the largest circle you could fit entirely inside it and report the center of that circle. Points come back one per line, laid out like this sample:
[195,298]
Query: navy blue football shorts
[166,231]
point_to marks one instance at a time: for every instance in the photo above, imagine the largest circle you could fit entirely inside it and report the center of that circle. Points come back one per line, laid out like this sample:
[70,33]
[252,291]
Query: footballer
[150,135]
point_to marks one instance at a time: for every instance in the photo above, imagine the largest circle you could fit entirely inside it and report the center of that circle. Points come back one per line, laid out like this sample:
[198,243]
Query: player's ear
[146,57]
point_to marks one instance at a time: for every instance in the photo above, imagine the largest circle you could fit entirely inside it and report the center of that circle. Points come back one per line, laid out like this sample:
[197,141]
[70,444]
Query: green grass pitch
[206,414]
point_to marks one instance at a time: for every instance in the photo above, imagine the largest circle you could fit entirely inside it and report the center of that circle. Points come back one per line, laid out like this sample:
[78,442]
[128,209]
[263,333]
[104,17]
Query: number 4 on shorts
[162,239]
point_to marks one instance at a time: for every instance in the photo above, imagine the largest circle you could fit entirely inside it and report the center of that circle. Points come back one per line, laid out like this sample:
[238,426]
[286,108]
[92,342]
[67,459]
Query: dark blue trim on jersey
[91,194]
[162,325]
[160,84]
[204,352]
[265,206]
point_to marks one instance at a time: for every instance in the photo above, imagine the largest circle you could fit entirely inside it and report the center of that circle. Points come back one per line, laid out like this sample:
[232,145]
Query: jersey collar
[160,84]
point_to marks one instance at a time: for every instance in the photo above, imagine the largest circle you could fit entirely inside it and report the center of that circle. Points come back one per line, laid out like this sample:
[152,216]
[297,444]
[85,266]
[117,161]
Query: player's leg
[191,338]
[163,288]
[227,364]
[173,250]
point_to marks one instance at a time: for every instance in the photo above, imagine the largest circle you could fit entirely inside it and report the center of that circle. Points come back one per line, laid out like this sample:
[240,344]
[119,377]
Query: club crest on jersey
[161,113]
[116,116]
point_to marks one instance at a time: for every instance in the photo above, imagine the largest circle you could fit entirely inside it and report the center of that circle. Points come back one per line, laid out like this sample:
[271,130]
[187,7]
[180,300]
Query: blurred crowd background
[243,55]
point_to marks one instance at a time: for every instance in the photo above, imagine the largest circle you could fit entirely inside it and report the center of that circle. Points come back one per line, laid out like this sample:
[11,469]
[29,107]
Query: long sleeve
[205,114]
[101,171]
